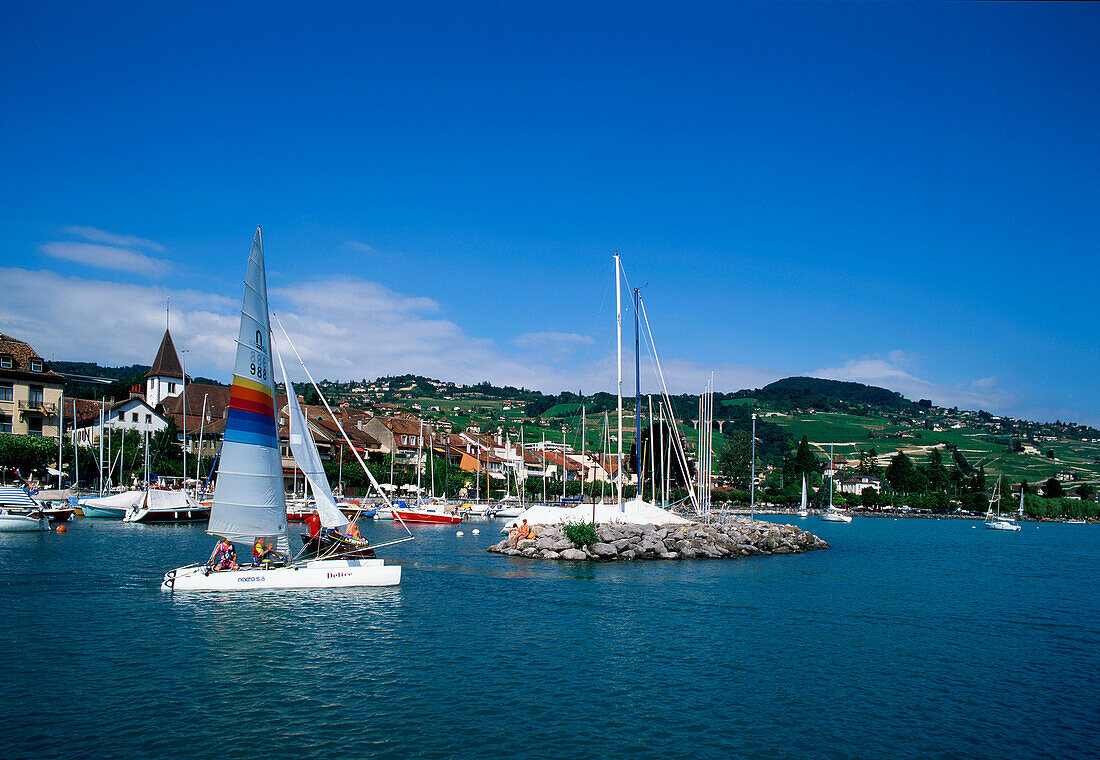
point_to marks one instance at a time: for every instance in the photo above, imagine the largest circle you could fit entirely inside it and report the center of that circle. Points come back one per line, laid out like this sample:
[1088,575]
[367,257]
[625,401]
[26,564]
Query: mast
[564,469]
[619,392]
[830,476]
[583,433]
[419,458]
[652,455]
[76,451]
[198,458]
[523,467]
[183,366]
[543,453]
[752,474]
[60,435]
[102,432]
[637,401]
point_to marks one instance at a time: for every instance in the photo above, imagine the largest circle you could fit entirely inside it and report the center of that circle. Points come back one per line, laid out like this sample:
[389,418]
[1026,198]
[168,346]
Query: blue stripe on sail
[249,427]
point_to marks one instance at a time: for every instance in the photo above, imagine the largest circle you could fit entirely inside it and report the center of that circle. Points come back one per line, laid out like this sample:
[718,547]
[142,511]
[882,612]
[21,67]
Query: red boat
[420,515]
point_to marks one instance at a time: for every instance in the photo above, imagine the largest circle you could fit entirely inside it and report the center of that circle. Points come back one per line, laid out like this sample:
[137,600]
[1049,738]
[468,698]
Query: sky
[899,194]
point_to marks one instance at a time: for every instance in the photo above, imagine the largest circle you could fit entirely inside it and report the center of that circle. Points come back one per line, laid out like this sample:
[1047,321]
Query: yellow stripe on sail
[252,385]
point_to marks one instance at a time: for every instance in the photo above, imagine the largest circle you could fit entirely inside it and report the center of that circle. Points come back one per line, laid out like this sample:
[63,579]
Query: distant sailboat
[832,514]
[996,521]
[249,499]
[802,510]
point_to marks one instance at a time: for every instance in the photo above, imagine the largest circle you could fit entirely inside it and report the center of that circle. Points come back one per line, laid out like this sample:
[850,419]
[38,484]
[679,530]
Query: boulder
[573,554]
[603,550]
[526,543]
[622,544]
[561,545]
[547,554]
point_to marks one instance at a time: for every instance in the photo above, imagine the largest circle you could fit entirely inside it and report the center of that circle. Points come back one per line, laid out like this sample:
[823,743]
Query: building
[30,392]
[131,414]
[857,483]
[165,377]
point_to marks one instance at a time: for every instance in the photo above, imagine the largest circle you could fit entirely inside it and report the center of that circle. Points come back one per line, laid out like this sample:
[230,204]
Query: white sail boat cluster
[249,499]
[832,514]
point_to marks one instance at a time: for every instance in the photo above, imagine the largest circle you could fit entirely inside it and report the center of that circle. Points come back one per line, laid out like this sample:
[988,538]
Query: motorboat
[425,512]
[19,513]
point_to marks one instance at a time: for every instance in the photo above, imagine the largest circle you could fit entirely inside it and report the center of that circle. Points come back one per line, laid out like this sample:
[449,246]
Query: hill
[828,396]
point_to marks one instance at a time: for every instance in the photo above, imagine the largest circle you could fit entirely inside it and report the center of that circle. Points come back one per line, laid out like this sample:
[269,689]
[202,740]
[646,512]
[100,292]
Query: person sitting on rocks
[520,533]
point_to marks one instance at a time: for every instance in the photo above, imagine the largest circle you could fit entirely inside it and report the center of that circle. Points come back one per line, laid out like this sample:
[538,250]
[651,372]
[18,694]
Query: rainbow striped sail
[249,501]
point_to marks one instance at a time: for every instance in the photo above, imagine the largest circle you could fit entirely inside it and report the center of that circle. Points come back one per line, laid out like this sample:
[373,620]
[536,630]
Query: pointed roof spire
[167,363]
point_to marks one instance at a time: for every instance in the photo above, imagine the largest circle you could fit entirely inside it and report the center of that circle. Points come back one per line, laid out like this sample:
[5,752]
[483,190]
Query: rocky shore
[625,541]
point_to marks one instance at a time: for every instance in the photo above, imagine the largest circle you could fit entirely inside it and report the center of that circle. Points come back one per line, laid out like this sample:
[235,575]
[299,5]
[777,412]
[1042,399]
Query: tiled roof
[21,354]
[167,363]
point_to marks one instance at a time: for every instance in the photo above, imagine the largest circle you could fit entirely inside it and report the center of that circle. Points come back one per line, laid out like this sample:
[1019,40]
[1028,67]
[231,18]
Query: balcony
[37,407]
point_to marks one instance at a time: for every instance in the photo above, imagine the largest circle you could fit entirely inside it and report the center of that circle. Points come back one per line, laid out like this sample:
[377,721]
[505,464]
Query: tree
[1052,488]
[937,474]
[903,476]
[804,462]
[734,459]
[1085,491]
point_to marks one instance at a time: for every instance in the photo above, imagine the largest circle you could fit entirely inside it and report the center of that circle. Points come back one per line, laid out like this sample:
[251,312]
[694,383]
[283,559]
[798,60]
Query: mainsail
[309,461]
[249,501]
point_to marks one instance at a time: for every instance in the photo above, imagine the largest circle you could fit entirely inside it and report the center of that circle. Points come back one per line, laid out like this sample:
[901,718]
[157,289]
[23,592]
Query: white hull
[836,517]
[803,514]
[1001,525]
[327,573]
[22,523]
[509,512]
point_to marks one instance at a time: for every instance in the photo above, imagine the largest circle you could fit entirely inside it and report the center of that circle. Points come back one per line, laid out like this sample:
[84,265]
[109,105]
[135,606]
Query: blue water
[910,638]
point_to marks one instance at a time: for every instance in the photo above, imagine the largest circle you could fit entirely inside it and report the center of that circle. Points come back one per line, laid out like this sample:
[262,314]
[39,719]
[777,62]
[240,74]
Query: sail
[1021,501]
[249,501]
[309,461]
[803,507]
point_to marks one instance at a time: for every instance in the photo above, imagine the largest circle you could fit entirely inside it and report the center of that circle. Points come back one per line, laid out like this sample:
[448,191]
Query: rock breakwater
[622,541]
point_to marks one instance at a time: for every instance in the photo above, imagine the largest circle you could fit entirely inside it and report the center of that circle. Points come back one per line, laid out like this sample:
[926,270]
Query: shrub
[581,533]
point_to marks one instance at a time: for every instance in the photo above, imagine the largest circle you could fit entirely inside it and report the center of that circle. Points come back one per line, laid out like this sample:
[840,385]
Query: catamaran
[249,499]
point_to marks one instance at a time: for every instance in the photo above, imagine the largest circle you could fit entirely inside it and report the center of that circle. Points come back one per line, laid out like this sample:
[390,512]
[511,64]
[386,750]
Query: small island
[628,541]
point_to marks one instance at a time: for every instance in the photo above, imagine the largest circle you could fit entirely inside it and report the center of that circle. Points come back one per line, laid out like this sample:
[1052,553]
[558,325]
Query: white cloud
[356,245]
[107,257]
[122,241]
[979,394]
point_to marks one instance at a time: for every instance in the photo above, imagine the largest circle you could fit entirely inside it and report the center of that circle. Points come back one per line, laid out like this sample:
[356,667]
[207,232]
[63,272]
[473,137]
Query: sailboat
[832,514]
[249,499]
[802,510]
[997,521]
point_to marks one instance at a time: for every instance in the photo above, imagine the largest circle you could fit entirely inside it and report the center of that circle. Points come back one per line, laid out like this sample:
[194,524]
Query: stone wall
[624,541]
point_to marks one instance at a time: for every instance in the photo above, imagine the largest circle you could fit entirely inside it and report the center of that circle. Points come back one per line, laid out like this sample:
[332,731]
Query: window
[5,361]
[171,387]
[6,392]
[148,419]
[133,416]
[122,416]
[5,423]
[37,395]
[34,427]
[36,365]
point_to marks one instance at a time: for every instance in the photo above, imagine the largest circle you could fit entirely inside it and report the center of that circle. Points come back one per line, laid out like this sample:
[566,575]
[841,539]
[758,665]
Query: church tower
[165,377]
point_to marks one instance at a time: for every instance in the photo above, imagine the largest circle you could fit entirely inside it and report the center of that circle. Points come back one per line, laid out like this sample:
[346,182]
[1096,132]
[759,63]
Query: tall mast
[102,432]
[564,469]
[583,432]
[619,346]
[652,456]
[637,400]
[60,435]
[76,452]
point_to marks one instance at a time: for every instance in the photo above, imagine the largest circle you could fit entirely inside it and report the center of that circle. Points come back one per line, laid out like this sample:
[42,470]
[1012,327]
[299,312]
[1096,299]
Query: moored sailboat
[997,521]
[249,500]
[802,510]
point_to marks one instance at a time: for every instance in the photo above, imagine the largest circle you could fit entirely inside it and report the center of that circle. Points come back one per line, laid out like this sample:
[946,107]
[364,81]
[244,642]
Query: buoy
[476,531]
[61,529]
[460,533]
[973,527]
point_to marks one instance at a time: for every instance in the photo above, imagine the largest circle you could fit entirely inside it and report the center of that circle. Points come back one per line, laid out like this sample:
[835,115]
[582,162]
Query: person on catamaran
[352,531]
[314,524]
[263,552]
[224,556]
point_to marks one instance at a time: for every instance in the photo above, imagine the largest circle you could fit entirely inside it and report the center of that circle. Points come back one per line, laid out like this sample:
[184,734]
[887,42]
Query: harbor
[876,647]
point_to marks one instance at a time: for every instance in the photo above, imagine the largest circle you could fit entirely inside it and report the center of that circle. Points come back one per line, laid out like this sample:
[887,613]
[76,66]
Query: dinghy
[249,499]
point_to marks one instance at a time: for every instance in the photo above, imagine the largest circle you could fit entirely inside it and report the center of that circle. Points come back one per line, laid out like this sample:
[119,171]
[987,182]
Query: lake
[909,638]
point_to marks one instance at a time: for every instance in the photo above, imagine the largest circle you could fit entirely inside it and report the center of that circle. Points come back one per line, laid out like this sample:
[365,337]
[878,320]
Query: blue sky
[902,194]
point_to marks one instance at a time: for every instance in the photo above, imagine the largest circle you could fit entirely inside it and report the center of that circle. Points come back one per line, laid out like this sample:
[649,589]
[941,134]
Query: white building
[132,414]
[165,377]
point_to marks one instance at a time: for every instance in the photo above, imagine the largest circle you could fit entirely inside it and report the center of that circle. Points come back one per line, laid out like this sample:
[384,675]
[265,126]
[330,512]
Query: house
[1065,476]
[132,414]
[400,437]
[857,483]
[30,392]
